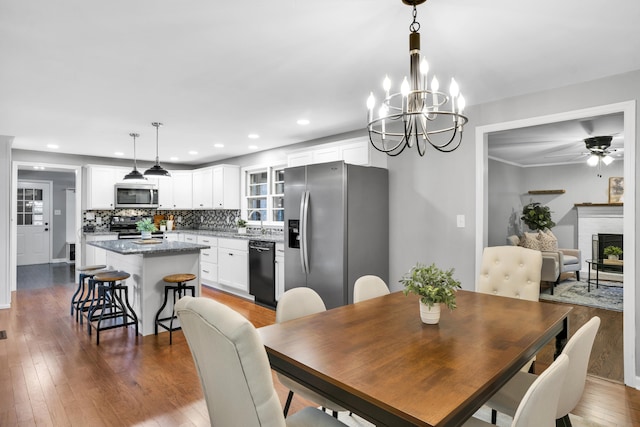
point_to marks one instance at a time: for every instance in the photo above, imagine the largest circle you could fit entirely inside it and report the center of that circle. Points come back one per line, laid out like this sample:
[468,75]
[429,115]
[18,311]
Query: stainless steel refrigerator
[337,228]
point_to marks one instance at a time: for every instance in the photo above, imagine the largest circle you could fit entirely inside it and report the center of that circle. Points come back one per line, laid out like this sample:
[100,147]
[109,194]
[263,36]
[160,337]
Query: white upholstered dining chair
[578,349]
[510,271]
[367,287]
[234,369]
[536,408]
[295,303]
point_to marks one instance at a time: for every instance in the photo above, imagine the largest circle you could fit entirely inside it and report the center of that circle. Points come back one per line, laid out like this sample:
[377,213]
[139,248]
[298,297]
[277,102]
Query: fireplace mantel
[599,210]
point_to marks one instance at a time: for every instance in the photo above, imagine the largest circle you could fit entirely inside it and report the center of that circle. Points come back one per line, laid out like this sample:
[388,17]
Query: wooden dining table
[377,359]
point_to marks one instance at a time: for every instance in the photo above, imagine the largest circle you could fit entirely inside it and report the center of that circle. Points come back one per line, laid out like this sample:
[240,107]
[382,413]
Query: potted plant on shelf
[146,227]
[537,216]
[242,226]
[434,287]
[613,252]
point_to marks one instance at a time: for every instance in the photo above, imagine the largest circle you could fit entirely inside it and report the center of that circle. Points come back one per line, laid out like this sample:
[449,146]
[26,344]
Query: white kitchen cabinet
[93,255]
[226,187]
[233,264]
[356,151]
[182,182]
[203,188]
[189,238]
[99,184]
[172,237]
[279,270]
[209,260]
[165,193]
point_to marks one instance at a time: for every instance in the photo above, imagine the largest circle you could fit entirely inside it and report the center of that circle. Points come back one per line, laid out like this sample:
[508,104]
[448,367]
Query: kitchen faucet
[262,230]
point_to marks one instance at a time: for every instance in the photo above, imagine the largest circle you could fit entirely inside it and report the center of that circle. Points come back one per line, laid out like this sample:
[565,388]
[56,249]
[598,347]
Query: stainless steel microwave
[136,195]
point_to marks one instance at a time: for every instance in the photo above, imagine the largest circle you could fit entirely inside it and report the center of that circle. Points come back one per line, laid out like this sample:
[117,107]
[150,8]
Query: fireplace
[601,241]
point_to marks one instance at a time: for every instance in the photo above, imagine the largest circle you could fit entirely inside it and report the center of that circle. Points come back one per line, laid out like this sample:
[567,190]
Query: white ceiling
[83,74]
[556,143]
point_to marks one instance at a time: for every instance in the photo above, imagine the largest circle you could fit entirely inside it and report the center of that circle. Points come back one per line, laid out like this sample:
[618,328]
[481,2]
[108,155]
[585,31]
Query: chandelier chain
[414,27]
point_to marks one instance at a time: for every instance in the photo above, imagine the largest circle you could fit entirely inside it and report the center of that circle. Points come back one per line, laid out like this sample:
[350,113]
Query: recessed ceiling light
[254,136]
[253,147]
[119,153]
[193,152]
[174,159]
[54,146]
[303,122]
[218,145]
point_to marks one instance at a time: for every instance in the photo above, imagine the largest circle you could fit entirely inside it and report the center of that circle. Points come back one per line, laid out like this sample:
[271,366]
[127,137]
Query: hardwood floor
[53,374]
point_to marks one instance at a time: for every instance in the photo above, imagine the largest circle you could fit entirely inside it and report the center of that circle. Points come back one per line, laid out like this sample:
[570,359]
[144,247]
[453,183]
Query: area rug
[609,295]
[484,414]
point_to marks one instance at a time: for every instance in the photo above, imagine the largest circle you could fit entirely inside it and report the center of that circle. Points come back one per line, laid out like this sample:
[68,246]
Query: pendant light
[134,174]
[157,170]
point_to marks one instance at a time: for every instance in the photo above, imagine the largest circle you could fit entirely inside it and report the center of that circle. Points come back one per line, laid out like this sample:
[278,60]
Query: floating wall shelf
[546,191]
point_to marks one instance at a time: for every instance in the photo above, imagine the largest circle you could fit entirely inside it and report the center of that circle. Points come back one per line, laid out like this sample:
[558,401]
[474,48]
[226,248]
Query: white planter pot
[163,228]
[616,257]
[146,235]
[430,316]
[242,230]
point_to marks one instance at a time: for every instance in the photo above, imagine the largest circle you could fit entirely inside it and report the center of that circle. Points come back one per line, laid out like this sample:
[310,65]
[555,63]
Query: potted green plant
[434,287]
[537,216]
[146,227]
[163,225]
[613,252]
[242,226]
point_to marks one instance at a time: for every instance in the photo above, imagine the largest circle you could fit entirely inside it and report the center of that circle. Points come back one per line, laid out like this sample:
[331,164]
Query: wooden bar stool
[86,272]
[180,289]
[111,310]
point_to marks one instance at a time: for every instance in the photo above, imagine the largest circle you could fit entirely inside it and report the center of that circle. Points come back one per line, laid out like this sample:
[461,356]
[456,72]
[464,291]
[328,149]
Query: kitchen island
[148,262]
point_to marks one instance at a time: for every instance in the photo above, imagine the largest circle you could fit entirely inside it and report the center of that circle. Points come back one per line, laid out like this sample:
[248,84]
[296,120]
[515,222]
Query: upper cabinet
[203,188]
[182,182]
[355,151]
[226,187]
[99,184]
[216,187]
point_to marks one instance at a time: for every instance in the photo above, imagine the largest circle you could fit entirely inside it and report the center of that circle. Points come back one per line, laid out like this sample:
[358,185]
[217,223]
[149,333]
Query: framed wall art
[616,189]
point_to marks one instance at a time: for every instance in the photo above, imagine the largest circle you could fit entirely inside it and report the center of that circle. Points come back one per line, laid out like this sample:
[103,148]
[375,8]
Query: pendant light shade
[134,174]
[157,170]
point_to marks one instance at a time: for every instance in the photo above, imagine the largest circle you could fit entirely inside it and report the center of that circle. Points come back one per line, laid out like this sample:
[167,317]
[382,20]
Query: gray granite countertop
[278,238]
[130,247]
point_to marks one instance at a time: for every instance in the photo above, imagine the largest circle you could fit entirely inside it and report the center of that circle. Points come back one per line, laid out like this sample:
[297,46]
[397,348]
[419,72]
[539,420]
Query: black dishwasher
[262,272]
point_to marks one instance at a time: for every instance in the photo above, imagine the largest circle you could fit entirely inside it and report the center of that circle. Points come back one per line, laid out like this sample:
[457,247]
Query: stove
[125,226]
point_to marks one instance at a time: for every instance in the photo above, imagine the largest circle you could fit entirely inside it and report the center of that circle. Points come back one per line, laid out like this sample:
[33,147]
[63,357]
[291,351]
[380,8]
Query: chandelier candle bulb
[386,85]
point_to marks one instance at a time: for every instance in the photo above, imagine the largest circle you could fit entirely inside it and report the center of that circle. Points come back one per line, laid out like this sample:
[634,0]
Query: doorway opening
[73,174]
[629,111]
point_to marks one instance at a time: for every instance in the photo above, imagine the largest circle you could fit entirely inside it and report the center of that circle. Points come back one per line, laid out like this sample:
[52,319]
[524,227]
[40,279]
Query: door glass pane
[27,219]
[37,194]
[38,207]
[38,220]
[28,207]
[20,219]
[28,194]
[20,193]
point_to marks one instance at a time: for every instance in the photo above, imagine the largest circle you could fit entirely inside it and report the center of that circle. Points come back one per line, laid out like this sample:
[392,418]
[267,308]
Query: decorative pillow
[530,241]
[548,241]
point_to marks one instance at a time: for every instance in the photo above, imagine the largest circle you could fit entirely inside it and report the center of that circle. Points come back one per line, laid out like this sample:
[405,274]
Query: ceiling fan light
[607,160]
[593,160]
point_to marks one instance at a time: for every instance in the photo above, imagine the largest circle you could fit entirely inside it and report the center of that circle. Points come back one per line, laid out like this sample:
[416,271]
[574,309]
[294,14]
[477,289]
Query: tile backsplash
[215,219]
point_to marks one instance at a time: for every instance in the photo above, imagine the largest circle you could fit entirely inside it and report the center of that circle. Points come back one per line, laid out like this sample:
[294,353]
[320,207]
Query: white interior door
[33,223]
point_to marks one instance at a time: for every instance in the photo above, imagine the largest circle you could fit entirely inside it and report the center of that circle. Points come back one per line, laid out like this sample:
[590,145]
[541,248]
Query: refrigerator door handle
[304,215]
